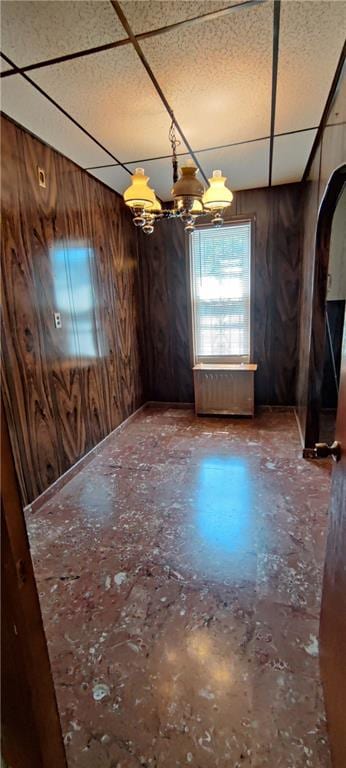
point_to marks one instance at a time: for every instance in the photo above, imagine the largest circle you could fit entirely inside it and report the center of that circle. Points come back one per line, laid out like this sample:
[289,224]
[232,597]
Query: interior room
[173,383]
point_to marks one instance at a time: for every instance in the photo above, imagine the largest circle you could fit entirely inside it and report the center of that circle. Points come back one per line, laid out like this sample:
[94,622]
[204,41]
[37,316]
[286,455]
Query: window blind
[220,288]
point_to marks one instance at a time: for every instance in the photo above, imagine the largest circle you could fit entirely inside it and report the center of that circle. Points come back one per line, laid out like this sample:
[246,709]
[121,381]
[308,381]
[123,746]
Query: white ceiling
[144,16]
[218,81]
[289,156]
[311,38]
[216,75]
[37,30]
[4,65]
[113,96]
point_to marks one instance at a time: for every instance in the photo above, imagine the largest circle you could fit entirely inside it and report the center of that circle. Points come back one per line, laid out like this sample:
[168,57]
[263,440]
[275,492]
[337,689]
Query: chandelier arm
[170,213]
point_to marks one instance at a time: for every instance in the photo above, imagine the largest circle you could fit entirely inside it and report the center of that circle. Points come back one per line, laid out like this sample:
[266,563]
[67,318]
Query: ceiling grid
[246,83]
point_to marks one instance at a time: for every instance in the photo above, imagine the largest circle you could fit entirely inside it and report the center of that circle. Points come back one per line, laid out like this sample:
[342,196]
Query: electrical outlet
[57,319]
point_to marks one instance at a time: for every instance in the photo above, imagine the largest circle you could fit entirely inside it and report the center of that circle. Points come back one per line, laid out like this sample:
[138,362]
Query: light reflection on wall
[72,265]
[223,514]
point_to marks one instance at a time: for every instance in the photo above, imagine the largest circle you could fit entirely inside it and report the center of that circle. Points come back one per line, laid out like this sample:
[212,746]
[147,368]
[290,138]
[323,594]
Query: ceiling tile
[112,96]
[35,31]
[145,15]
[159,171]
[337,112]
[246,165]
[4,65]
[27,106]
[218,81]
[290,155]
[114,176]
[311,39]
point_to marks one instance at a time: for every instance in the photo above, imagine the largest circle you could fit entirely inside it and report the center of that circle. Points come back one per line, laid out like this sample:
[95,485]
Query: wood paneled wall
[276,291]
[68,248]
[329,155]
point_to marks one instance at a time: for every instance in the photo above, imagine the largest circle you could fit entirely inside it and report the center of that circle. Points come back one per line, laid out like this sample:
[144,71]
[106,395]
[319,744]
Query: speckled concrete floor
[179,575]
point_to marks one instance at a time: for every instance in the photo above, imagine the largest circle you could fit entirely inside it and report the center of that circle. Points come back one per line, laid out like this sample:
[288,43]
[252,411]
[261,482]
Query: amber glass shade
[188,188]
[139,194]
[217,196]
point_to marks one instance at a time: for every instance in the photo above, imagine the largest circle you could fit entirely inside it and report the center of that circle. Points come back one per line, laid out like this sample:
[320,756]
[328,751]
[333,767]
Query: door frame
[31,727]
[318,324]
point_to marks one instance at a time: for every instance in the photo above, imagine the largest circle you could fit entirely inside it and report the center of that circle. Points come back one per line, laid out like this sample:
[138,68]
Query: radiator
[225,389]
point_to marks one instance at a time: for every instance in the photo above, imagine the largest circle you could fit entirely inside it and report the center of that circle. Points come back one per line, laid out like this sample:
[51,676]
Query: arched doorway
[327,210]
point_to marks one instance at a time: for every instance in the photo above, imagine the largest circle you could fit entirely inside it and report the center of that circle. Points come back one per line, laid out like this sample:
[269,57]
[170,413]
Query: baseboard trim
[61,481]
[258,408]
[163,404]
[274,408]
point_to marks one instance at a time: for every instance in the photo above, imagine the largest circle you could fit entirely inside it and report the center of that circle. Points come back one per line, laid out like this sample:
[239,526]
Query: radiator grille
[228,392]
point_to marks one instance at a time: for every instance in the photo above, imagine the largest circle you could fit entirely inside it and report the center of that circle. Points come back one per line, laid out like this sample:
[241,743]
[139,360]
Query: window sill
[225,367]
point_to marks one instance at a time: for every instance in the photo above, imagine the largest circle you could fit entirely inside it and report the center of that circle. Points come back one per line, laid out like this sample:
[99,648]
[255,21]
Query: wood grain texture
[165,309]
[330,154]
[311,202]
[71,248]
[333,609]
[31,730]
[276,287]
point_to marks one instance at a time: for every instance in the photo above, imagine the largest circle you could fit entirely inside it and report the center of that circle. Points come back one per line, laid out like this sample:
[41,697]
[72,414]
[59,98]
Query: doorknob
[322,450]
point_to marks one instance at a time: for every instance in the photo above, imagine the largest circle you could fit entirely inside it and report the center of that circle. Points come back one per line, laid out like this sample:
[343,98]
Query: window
[220,290]
[72,273]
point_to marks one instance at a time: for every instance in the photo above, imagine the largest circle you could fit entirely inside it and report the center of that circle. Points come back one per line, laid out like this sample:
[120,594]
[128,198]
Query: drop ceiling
[75,74]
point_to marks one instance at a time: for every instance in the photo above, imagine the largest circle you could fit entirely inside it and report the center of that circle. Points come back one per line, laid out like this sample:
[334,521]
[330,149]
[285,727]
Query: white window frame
[220,359]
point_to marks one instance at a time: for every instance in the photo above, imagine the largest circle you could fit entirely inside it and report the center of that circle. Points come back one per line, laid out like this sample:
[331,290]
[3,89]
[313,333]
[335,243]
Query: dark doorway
[335,314]
[328,312]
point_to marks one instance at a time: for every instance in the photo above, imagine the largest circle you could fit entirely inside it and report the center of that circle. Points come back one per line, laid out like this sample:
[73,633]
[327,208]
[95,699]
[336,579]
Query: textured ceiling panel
[338,108]
[112,96]
[114,176]
[311,39]
[4,65]
[159,171]
[23,103]
[218,79]
[290,156]
[35,31]
[145,15]
[246,166]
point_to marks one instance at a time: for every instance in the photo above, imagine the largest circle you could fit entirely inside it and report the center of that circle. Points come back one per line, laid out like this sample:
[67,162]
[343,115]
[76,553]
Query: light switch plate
[41,177]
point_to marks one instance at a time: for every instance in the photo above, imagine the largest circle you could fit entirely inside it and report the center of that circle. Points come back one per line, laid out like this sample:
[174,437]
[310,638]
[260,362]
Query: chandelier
[190,199]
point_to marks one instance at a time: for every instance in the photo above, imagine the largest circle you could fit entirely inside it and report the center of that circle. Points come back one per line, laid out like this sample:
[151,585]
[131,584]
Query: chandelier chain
[174,144]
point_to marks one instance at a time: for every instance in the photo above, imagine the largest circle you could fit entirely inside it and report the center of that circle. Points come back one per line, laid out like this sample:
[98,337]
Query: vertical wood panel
[64,389]
[275,295]
[106,302]
[260,203]
[31,731]
[25,377]
[286,223]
